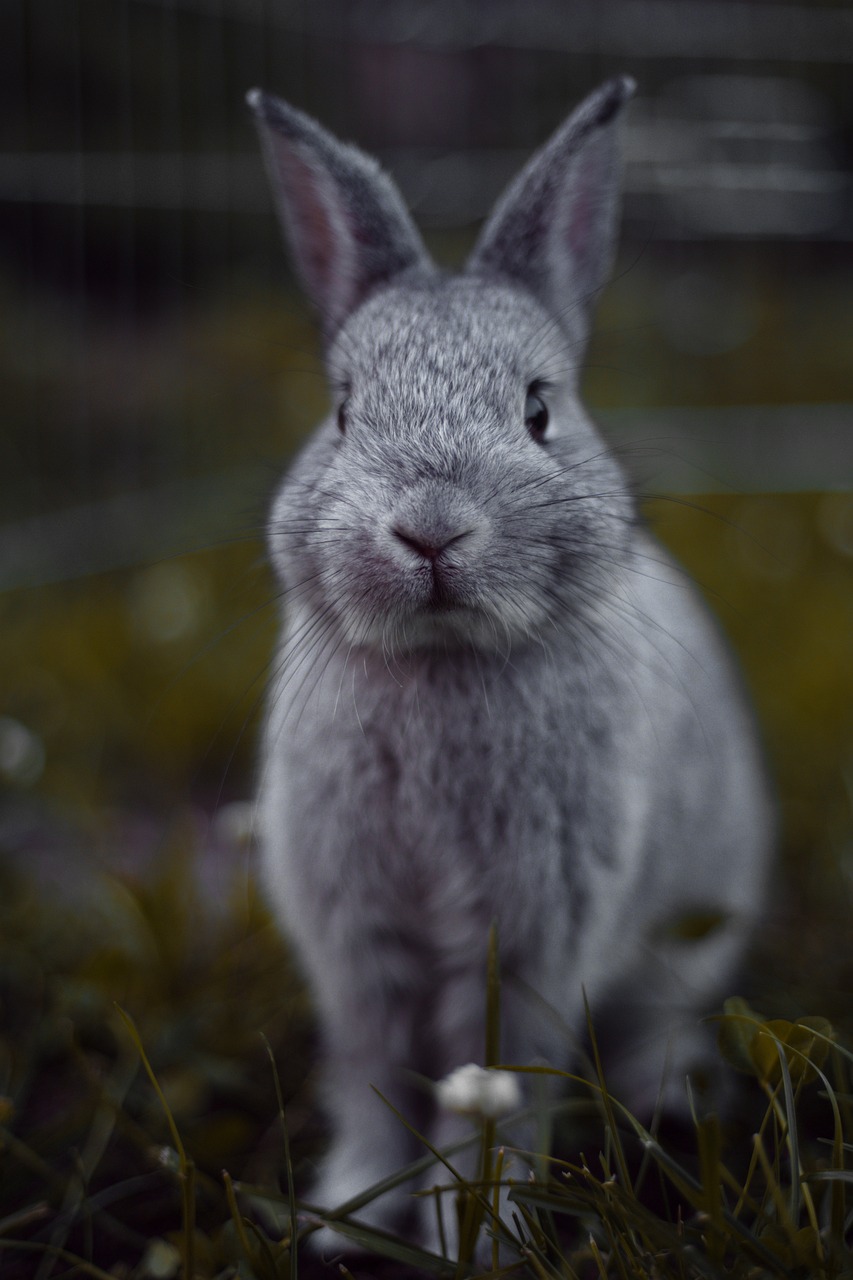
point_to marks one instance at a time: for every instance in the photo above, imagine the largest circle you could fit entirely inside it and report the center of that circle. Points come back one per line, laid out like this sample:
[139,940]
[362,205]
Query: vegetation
[152,1027]
[156,1116]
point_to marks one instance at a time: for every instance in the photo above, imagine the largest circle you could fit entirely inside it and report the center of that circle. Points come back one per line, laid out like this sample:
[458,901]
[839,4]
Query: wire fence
[134,214]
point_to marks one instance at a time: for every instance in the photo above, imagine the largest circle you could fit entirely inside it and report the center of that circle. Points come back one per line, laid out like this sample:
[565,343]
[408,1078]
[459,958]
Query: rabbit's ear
[554,228]
[344,219]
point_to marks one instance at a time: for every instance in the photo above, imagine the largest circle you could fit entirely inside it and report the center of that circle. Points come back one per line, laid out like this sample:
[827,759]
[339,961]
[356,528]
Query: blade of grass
[615,1237]
[388,1246]
[708,1139]
[186,1167]
[470,1218]
[440,1156]
[536,1244]
[473,1209]
[744,1196]
[373,1192]
[606,1100]
[789,1122]
[288,1161]
[270,1265]
[597,1258]
[837,1202]
[775,1191]
[353,1205]
[188,1199]
[75,1199]
[693,1192]
[23,1218]
[62,1255]
[830,1175]
[472,1189]
[496,1200]
[792,1137]
[11,1145]
[130,1027]
[542,1271]
[442,1234]
[237,1217]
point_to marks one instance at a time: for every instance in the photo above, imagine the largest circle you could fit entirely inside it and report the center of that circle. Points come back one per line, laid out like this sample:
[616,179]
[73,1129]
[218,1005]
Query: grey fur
[496,698]
[348,228]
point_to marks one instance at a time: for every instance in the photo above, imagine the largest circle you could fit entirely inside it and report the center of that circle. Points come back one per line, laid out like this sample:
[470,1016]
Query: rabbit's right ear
[554,228]
[344,219]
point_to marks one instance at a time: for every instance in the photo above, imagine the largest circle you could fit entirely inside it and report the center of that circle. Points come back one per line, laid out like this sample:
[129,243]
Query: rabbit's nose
[429,547]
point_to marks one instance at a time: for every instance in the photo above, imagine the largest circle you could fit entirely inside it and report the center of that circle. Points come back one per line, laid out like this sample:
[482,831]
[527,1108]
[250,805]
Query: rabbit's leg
[654,1035]
[649,1070]
[367,1054]
[460,1025]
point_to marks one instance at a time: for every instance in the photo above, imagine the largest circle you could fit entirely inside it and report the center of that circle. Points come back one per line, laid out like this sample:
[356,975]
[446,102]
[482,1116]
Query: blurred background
[158,368]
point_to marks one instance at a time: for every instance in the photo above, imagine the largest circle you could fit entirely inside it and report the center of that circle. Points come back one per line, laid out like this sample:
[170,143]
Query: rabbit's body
[497,699]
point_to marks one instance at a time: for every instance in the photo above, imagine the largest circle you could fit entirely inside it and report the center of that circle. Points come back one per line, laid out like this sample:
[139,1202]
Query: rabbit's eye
[535,414]
[342,417]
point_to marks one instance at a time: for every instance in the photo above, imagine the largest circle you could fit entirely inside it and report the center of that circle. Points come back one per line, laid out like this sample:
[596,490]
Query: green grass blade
[710,1157]
[288,1161]
[237,1218]
[406,1174]
[186,1166]
[79,1265]
[23,1218]
[694,1194]
[607,1103]
[830,1175]
[837,1176]
[791,1136]
[388,1246]
[130,1027]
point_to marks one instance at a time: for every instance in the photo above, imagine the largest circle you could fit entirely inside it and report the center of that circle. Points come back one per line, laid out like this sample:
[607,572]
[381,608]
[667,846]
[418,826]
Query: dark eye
[535,414]
[342,416]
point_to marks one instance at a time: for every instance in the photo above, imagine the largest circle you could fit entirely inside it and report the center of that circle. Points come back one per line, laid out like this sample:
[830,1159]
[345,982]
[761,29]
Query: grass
[102,1174]
[156,1114]
[169,1144]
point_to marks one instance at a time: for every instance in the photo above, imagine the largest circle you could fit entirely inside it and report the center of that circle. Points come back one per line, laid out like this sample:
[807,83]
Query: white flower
[479,1091]
[168,1158]
[162,1260]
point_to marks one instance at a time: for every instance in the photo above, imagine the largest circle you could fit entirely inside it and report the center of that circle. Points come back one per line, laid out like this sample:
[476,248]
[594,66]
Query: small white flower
[168,1158]
[479,1091]
[161,1261]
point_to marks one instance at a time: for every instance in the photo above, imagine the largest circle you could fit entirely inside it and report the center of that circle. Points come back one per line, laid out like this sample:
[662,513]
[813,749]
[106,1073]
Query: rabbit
[496,698]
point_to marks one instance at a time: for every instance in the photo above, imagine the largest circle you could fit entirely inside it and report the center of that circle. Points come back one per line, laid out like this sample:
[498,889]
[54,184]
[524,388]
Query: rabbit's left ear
[554,228]
[345,222]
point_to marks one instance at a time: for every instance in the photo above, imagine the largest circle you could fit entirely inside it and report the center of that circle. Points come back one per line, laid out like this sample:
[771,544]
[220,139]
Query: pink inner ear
[322,240]
[583,224]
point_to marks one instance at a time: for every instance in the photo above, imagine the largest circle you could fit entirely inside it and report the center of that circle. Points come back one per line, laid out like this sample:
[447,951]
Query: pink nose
[430,548]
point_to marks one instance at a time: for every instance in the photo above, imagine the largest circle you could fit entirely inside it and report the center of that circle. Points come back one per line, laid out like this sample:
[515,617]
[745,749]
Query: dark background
[158,368]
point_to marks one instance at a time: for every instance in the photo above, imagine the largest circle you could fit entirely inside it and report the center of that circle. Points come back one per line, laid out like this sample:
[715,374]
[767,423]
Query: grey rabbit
[496,698]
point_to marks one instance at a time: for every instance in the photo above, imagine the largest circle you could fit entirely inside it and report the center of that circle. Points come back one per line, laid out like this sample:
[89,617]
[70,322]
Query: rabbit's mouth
[443,598]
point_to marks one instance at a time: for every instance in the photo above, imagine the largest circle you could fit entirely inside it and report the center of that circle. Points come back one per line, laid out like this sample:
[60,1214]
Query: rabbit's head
[456,494]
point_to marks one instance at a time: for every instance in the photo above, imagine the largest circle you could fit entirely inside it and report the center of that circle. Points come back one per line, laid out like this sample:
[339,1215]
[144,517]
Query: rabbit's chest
[436,799]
